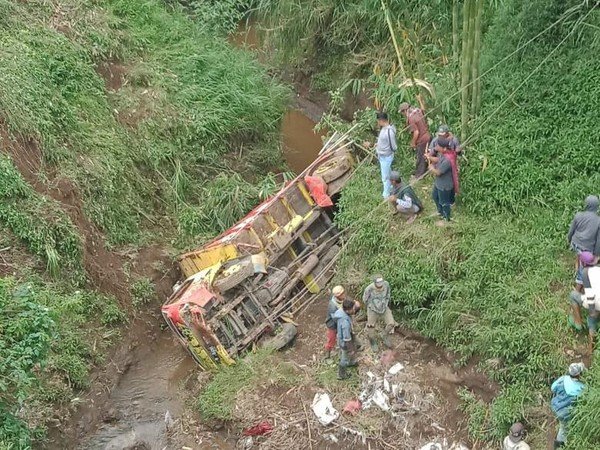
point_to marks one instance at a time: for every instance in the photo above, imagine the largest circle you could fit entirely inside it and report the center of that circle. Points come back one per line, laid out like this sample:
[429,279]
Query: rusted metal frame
[315,214]
[257,303]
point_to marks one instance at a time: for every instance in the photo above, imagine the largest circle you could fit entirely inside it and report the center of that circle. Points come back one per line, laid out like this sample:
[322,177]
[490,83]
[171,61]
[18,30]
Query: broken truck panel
[239,285]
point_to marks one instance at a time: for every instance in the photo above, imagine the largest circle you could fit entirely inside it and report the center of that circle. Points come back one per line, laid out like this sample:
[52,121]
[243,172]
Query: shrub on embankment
[180,99]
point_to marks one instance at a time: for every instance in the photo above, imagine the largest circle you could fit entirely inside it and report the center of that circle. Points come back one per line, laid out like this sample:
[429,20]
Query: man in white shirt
[514,440]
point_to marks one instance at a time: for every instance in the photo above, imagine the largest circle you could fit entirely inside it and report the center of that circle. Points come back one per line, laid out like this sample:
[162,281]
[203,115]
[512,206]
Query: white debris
[323,409]
[381,400]
[361,434]
[332,438]
[396,368]
[443,446]
[432,446]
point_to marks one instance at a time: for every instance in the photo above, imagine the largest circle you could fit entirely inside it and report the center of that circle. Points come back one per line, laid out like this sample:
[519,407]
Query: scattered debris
[262,428]
[332,438]
[352,407]
[323,409]
[396,368]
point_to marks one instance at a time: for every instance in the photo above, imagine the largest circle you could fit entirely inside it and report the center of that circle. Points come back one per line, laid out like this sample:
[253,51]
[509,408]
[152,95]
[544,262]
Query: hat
[394,175]
[443,129]
[378,280]
[586,258]
[516,432]
[338,290]
[576,369]
[403,106]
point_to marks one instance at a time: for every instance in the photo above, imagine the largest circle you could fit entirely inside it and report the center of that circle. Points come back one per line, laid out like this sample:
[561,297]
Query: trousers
[385,164]
[443,200]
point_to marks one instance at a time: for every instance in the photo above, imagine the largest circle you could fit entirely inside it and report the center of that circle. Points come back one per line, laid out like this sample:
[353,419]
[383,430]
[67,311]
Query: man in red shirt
[417,124]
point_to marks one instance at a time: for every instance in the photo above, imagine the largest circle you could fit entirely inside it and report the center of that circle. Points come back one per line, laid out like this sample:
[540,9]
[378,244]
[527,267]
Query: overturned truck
[247,281]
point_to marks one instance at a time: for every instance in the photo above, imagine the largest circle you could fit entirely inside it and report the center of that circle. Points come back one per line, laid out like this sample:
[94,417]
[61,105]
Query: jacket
[584,233]
[566,390]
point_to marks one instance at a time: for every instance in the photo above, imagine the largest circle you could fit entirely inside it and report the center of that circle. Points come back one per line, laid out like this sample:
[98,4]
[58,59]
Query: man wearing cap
[345,337]
[453,142]
[566,390]
[335,302]
[404,200]
[338,295]
[386,147]
[376,299]
[514,440]
[443,186]
[450,148]
[417,124]
[586,294]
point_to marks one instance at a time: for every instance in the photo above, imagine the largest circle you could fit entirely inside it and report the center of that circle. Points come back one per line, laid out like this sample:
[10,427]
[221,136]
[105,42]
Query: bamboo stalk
[476,88]
[466,56]
[391,28]
[455,36]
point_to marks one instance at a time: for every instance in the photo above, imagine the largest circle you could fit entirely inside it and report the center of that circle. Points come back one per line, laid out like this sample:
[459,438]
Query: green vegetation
[217,398]
[46,352]
[143,291]
[54,238]
[175,97]
[157,127]
[494,284]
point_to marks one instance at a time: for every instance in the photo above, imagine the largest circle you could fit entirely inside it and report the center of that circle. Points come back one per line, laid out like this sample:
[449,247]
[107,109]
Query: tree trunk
[476,87]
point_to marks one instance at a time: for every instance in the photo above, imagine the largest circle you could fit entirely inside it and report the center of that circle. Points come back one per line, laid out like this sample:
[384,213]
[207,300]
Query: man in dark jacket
[584,234]
[404,200]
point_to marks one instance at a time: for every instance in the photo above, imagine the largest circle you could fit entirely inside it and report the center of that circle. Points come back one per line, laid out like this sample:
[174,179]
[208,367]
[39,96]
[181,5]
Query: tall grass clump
[40,223]
[186,98]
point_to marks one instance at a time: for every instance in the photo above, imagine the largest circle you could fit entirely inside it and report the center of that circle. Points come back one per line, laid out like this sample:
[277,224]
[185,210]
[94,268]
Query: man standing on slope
[335,302]
[338,295]
[452,150]
[443,186]
[386,147]
[345,338]
[415,120]
[584,233]
[377,299]
[566,390]
[514,440]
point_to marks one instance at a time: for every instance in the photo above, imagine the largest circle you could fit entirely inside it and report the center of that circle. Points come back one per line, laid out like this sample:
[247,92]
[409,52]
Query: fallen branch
[308,425]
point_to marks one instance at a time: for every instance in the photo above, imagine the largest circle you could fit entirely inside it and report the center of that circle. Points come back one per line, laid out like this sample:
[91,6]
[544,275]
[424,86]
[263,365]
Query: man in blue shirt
[345,338]
[566,390]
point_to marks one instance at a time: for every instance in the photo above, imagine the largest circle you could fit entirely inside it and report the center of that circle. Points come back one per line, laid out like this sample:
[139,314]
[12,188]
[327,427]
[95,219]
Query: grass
[182,107]
[217,400]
